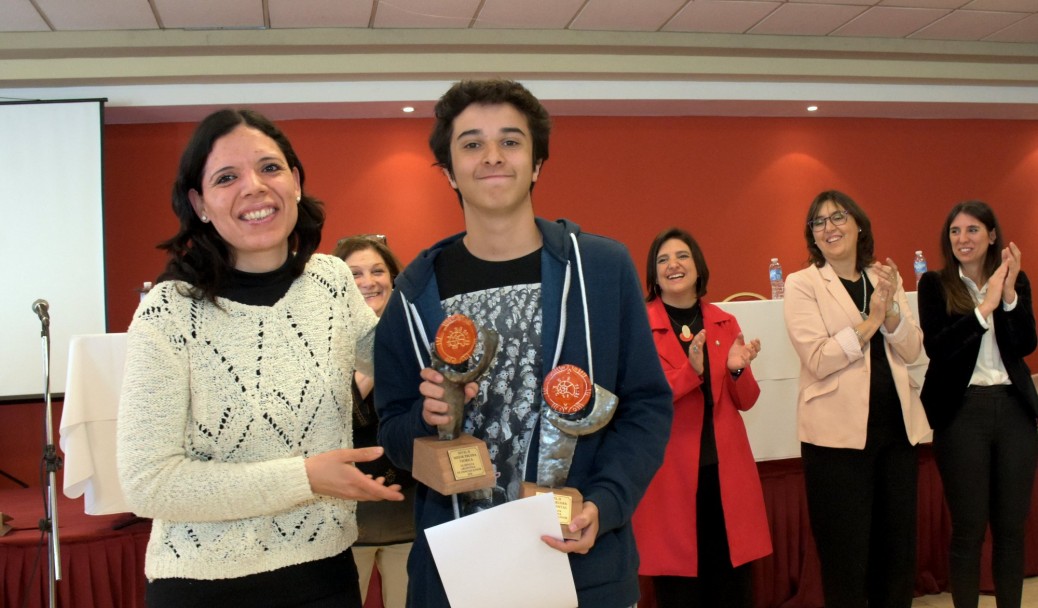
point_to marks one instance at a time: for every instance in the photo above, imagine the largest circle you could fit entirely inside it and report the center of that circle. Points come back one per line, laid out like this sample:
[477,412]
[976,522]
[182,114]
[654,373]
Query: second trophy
[567,390]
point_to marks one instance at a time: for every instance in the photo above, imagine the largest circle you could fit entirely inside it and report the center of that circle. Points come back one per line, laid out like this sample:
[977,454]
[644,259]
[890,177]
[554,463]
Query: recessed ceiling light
[812,108]
[408,109]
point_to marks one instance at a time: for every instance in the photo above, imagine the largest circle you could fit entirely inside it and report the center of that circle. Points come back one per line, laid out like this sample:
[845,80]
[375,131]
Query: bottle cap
[919,252]
[774,259]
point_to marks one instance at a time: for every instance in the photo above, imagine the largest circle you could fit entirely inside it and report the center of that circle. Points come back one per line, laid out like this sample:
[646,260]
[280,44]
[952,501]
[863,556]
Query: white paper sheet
[497,558]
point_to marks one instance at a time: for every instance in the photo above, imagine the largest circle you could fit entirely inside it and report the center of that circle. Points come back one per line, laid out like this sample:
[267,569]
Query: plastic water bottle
[778,288]
[919,264]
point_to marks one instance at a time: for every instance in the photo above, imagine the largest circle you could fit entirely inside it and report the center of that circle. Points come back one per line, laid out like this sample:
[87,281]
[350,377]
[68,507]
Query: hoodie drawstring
[412,313]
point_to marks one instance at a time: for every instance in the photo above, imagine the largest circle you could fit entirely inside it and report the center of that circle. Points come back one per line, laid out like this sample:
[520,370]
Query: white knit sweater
[219,408]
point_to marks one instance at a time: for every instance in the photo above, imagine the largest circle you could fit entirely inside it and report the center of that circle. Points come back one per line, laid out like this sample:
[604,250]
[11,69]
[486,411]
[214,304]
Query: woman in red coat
[702,520]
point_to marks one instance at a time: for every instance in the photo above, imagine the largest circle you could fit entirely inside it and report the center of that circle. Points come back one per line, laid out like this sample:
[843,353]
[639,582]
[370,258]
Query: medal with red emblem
[567,389]
[456,339]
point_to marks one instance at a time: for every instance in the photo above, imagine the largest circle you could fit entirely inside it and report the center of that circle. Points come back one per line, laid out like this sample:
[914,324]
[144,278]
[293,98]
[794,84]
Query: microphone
[41,308]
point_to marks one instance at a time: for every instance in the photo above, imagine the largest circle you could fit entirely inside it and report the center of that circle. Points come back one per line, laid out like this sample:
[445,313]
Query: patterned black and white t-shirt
[505,297]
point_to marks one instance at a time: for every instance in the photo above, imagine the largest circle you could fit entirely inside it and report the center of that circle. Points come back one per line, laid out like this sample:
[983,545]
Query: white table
[772,423]
[95,376]
[87,429]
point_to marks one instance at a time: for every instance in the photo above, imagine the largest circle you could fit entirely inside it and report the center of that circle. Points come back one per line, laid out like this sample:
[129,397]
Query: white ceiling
[987,20]
[175,59]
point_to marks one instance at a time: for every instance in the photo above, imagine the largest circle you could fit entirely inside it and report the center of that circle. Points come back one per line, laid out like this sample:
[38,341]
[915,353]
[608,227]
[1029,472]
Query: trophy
[567,390]
[453,462]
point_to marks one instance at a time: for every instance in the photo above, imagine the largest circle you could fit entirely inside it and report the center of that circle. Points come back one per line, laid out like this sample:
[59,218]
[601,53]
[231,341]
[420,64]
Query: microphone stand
[49,525]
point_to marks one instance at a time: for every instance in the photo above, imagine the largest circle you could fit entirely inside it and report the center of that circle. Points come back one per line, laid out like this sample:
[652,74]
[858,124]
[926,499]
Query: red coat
[665,522]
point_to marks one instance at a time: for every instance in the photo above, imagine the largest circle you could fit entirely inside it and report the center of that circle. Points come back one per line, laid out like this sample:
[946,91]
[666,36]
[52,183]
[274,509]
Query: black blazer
[952,343]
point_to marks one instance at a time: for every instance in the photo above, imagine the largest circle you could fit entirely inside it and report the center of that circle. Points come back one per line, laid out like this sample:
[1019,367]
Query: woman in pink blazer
[858,412]
[702,519]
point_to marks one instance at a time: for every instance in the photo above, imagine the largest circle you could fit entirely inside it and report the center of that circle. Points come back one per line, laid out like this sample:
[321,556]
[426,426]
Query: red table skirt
[101,566]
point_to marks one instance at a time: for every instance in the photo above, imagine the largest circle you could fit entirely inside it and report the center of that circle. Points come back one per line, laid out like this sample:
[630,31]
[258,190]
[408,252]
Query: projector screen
[53,237]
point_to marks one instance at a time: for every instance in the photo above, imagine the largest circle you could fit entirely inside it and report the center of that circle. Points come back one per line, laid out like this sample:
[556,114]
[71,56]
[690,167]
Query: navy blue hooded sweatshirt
[611,467]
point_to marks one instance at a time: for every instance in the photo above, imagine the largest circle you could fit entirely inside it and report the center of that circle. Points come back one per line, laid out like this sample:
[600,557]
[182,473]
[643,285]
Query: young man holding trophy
[573,399]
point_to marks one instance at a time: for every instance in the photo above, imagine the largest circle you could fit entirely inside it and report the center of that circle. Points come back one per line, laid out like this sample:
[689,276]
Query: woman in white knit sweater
[235,428]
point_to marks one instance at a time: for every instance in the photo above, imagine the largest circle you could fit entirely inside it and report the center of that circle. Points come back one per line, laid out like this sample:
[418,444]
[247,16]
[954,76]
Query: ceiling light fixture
[812,108]
[408,109]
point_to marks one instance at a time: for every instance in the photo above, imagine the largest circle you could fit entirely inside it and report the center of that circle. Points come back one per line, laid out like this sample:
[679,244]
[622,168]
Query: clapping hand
[885,288]
[695,352]
[996,288]
[1010,259]
[741,354]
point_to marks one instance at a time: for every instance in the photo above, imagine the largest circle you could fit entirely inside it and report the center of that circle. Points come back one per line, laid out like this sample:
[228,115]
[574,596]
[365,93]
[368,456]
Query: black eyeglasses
[838,218]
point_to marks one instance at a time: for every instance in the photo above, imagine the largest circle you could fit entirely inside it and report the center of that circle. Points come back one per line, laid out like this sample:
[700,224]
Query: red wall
[21,443]
[740,185]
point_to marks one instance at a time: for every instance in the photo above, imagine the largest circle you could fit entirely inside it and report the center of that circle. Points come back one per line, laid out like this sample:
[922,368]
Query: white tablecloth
[95,376]
[87,430]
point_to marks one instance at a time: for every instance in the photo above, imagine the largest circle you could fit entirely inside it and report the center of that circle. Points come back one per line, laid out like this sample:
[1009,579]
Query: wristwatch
[894,310]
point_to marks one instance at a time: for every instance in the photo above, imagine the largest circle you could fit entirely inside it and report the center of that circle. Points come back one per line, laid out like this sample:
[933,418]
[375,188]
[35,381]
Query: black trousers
[987,457]
[718,583]
[862,505]
[326,583]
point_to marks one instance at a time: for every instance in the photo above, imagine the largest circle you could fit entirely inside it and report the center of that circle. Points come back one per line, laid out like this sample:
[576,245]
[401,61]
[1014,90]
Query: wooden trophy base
[453,466]
[568,503]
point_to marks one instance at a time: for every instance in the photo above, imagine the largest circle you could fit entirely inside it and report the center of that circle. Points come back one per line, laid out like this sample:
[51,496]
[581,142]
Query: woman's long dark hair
[956,296]
[198,255]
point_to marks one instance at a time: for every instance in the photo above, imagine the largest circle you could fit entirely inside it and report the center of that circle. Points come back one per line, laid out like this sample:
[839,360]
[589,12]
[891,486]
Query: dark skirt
[325,583]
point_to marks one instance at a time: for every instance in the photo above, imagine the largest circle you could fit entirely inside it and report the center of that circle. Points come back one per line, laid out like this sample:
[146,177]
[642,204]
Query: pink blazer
[833,400]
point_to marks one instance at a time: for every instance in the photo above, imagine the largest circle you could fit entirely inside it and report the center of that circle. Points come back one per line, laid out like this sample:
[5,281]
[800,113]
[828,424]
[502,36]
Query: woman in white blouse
[978,326]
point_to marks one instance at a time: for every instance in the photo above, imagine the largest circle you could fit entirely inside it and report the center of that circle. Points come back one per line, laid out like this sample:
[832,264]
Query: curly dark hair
[198,255]
[652,288]
[488,92]
[866,245]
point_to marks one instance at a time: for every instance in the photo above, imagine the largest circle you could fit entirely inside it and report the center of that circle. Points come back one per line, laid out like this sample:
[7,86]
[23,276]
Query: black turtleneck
[258,288]
[693,317]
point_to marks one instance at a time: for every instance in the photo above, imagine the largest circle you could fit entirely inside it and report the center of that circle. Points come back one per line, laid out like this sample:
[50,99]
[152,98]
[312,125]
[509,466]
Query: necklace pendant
[864,317]
[686,334]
